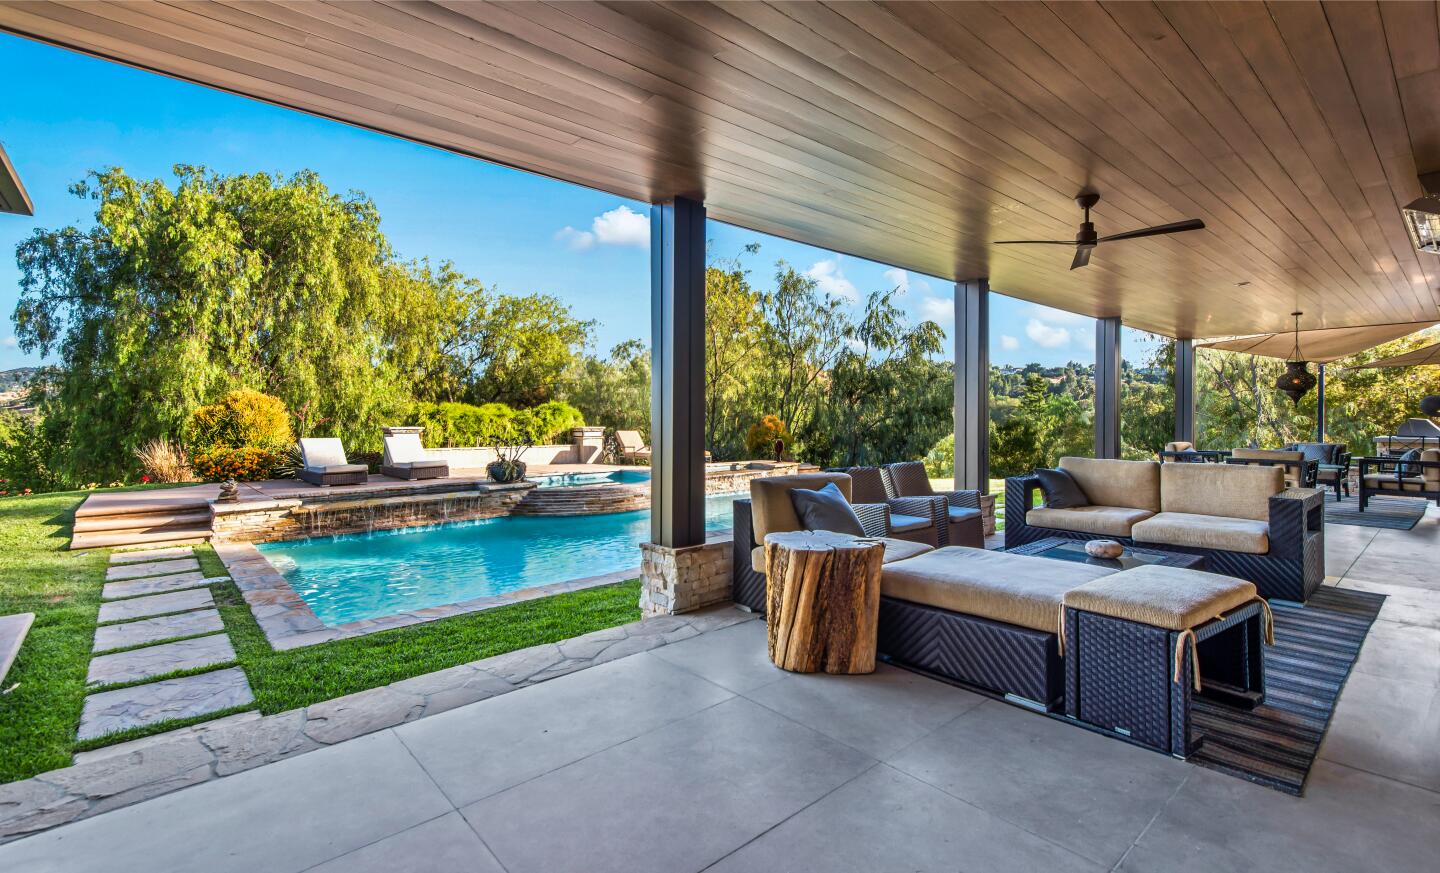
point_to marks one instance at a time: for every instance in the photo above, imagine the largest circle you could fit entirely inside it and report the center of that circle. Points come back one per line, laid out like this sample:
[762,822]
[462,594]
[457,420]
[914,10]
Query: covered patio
[918,135]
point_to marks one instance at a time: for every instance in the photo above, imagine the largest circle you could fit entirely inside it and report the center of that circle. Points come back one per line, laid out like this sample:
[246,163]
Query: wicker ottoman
[1139,643]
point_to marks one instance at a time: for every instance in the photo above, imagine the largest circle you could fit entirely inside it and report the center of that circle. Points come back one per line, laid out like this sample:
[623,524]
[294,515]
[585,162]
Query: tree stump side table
[823,601]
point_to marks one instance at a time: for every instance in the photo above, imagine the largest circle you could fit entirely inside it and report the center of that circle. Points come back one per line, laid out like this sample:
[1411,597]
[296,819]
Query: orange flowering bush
[246,464]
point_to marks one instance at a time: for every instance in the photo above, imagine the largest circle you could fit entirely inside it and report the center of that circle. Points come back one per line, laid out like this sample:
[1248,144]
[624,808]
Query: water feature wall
[258,521]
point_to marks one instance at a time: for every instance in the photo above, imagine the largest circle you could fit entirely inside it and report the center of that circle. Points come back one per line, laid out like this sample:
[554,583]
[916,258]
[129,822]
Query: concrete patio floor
[701,756]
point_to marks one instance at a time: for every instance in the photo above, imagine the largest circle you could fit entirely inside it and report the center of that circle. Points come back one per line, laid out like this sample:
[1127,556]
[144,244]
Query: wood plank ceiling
[914,134]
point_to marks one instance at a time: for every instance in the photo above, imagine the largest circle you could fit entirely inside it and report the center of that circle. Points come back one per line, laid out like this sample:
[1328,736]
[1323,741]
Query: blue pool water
[358,576]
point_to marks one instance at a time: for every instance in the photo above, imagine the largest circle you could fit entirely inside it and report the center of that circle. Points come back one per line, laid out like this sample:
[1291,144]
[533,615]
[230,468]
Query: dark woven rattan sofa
[1241,518]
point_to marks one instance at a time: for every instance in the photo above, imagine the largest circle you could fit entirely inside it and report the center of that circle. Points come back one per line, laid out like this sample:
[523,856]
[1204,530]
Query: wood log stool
[823,601]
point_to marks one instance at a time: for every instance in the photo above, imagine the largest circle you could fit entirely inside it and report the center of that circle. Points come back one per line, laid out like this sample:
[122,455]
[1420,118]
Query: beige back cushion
[772,511]
[1432,474]
[1179,446]
[1267,455]
[1106,482]
[1230,490]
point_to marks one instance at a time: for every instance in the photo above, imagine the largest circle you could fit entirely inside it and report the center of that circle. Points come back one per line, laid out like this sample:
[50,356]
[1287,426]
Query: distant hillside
[14,380]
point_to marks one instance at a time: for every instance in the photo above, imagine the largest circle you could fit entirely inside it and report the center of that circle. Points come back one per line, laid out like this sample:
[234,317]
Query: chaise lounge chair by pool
[324,463]
[405,458]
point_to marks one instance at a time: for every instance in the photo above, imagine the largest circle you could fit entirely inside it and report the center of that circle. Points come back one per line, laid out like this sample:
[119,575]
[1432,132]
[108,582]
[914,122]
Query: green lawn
[38,717]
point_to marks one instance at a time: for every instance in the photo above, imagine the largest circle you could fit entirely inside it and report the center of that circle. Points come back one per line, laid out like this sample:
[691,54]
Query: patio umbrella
[1321,345]
[1424,355]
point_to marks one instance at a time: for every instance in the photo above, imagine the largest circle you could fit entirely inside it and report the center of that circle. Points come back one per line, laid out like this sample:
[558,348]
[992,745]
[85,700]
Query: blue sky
[512,230]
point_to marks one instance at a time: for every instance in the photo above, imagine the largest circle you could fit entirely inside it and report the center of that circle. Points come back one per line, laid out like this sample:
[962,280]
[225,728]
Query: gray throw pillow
[825,509]
[1402,469]
[1060,489]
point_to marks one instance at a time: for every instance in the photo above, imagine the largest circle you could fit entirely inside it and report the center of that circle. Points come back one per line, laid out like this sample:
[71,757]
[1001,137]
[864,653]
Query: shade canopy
[1321,345]
[12,194]
[1424,355]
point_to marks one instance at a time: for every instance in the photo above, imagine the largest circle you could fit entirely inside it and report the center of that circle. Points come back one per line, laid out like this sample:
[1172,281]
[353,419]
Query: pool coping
[288,622]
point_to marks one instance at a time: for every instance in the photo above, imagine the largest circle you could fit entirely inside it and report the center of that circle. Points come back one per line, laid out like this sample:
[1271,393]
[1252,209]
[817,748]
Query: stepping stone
[150,568]
[143,705]
[156,604]
[13,629]
[152,555]
[154,630]
[158,585]
[140,664]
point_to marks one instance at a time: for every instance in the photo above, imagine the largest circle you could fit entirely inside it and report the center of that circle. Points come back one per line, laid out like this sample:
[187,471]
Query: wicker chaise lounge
[324,463]
[1241,518]
[405,458]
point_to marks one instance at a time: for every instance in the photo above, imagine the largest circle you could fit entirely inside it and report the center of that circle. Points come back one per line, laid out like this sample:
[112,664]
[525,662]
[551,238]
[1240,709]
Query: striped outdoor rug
[1315,646]
[1391,513]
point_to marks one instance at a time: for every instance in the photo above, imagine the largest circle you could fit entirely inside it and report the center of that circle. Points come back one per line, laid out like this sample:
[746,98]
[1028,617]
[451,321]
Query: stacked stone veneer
[680,580]
[987,513]
[585,500]
[731,481]
[257,521]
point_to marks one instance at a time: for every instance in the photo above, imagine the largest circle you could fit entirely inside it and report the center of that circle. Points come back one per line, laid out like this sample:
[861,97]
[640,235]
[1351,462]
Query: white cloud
[1053,315]
[1046,335]
[830,279]
[575,240]
[938,309]
[898,278]
[1008,342]
[621,226]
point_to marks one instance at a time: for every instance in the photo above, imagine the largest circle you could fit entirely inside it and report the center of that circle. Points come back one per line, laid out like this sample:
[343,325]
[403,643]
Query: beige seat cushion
[1015,589]
[1229,490]
[770,504]
[1166,597]
[1205,532]
[1388,482]
[895,550]
[1107,521]
[1107,482]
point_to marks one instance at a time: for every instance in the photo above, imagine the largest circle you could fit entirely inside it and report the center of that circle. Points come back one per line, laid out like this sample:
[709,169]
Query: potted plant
[508,467]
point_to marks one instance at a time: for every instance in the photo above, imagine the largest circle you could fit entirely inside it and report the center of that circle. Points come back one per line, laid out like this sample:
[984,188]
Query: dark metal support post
[1185,391]
[972,384]
[677,380]
[1107,387]
[1320,408]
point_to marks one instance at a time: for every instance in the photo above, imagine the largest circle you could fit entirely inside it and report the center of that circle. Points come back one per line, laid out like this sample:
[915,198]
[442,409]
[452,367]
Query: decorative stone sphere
[1104,549]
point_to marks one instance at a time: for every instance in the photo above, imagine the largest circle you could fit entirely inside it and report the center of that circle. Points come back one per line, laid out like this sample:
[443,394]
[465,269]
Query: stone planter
[506,471]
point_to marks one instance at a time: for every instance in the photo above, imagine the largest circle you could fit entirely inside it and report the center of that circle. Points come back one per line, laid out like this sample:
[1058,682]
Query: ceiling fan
[1086,240]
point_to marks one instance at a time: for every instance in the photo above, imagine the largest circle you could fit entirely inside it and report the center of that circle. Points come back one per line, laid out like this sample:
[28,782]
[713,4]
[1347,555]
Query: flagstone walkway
[159,619]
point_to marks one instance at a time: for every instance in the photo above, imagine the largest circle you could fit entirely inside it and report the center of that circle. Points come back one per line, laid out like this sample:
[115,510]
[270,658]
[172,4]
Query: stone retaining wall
[258,521]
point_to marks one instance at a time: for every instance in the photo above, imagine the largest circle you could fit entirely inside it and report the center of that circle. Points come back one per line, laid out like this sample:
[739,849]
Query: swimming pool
[358,576]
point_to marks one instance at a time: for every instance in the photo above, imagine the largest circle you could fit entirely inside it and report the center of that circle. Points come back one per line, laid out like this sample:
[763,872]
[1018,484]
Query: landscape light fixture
[1297,380]
[1422,216]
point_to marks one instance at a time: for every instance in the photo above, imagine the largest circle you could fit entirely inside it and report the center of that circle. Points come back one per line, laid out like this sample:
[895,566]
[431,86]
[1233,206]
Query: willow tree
[181,291]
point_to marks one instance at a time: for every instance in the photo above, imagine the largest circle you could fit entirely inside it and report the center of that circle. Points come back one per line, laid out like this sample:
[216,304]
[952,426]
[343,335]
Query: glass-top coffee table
[1134,556]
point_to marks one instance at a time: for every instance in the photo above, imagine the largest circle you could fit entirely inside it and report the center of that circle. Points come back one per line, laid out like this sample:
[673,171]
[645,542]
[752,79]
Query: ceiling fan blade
[1035,242]
[1082,256]
[1173,227]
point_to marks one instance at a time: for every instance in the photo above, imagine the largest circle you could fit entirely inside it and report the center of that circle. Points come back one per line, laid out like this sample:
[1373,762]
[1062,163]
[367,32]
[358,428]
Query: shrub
[940,460]
[463,424]
[548,423]
[164,461]
[25,452]
[244,464]
[760,440]
[239,419]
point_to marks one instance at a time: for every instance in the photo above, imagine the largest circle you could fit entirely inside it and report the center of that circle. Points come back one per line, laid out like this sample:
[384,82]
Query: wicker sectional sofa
[1243,519]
